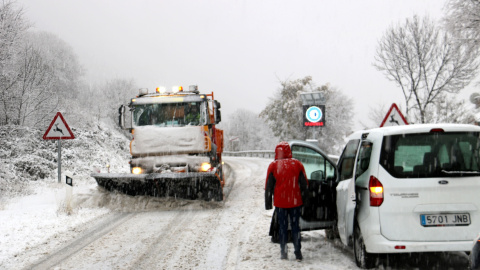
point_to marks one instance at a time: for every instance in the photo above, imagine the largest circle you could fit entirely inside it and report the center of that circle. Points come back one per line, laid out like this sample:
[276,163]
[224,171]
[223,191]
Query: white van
[413,188]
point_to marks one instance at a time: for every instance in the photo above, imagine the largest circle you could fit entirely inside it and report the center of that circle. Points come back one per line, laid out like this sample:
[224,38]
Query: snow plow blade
[193,186]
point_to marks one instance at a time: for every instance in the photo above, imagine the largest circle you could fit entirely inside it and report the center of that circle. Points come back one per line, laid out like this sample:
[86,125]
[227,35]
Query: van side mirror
[317,175]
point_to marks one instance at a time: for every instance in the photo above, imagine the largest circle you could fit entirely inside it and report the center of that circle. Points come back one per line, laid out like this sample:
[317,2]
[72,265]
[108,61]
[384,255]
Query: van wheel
[362,257]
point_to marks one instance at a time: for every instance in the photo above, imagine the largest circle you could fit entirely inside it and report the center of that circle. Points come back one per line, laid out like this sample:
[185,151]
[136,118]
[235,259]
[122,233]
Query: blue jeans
[284,215]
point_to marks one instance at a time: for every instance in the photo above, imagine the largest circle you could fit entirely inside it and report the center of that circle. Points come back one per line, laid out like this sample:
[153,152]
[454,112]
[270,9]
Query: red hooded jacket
[286,180]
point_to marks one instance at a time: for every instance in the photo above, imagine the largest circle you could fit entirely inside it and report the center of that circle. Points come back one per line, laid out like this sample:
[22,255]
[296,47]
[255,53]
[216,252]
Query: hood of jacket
[282,151]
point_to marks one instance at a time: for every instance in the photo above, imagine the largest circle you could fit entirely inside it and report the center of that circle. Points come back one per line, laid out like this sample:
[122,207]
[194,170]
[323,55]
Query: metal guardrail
[270,154]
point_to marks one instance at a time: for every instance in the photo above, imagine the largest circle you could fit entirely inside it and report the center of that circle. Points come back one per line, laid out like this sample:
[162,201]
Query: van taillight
[376,191]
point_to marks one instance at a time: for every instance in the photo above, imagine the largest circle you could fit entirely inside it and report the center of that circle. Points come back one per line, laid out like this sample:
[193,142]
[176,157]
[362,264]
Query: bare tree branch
[425,62]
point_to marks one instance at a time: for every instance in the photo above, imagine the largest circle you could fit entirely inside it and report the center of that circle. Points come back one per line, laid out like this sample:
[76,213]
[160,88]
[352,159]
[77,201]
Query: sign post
[59,130]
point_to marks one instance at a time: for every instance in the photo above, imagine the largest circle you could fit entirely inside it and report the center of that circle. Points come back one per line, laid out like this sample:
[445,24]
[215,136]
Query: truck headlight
[137,170]
[205,167]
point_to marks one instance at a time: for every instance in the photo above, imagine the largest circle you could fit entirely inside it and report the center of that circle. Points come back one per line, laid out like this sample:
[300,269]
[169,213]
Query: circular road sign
[314,114]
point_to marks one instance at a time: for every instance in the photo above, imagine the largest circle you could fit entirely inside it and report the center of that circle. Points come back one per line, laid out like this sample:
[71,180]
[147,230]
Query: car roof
[417,128]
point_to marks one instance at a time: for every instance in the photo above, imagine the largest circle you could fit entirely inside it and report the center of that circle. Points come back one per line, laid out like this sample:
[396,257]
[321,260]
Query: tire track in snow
[89,236]
[247,197]
[208,238]
[195,235]
[236,221]
[163,245]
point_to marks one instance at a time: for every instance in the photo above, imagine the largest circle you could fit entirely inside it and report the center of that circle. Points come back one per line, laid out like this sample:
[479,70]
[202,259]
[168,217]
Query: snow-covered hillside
[26,157]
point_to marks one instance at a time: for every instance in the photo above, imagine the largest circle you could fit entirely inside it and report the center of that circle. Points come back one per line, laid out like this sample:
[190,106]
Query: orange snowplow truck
[176,150]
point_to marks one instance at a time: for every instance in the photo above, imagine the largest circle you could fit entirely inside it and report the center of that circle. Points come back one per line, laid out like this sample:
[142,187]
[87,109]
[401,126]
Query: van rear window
[431,154]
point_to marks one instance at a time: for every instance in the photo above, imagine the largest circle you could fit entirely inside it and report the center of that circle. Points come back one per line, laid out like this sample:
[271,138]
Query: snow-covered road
[113,231]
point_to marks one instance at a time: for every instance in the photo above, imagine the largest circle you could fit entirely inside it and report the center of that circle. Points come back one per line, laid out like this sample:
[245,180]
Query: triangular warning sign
[394,117]
[58,129]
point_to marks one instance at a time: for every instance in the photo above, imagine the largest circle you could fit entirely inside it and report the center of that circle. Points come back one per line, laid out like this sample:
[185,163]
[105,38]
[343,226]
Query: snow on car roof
[418,128]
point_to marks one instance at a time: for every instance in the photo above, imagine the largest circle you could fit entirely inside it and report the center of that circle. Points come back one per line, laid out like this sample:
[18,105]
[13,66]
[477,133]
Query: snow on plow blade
[193,186]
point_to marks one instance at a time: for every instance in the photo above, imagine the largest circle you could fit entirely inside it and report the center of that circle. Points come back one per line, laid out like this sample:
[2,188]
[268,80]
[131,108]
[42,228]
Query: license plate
[445,220]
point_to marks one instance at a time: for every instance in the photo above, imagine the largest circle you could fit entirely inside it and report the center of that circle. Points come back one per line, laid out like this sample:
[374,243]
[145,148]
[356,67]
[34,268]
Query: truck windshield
[431,154]
[168,114]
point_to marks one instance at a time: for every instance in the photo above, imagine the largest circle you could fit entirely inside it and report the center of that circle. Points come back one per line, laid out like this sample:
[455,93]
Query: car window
[316,166]
[430,154]
[363,161]
[347,159]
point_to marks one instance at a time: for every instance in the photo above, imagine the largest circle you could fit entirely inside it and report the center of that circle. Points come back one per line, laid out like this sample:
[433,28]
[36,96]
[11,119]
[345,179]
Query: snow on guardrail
[270,154]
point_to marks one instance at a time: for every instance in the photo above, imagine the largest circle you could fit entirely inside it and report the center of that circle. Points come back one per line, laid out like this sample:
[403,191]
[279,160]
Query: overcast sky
[238,49]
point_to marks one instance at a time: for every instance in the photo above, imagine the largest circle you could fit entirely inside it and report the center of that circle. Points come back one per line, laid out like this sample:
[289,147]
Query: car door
[345,191]
[321,175]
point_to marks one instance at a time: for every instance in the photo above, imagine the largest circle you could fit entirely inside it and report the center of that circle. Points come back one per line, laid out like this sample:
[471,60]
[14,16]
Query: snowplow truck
[176,150]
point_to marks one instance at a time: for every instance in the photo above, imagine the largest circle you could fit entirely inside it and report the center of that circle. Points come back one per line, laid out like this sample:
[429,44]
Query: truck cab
[174,131]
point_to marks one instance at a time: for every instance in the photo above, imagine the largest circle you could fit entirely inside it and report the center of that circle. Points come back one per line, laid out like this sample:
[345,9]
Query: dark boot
[298,256]
[284,253]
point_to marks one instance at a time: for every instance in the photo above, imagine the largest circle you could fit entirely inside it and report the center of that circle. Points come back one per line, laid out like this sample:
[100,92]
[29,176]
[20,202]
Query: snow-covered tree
[425,62]
[63,60]
[45,78]
[376,115]
[102,101]
[246,130]
[13,26]
[463,20]
[118,92]
[447,109]
[39,73]
[34,96]
[284,114]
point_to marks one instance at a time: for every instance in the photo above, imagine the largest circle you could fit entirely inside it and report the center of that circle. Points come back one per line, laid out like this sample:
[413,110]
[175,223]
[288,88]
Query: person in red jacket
[287,182]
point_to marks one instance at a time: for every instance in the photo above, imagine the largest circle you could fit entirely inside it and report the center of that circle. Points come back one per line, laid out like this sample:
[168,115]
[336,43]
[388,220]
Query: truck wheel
[362,257]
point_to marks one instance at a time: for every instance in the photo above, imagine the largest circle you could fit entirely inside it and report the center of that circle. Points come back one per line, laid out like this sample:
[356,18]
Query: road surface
[154,233]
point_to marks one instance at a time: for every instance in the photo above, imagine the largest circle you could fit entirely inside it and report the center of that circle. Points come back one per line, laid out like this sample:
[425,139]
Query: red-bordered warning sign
[58,129]
[394,117]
